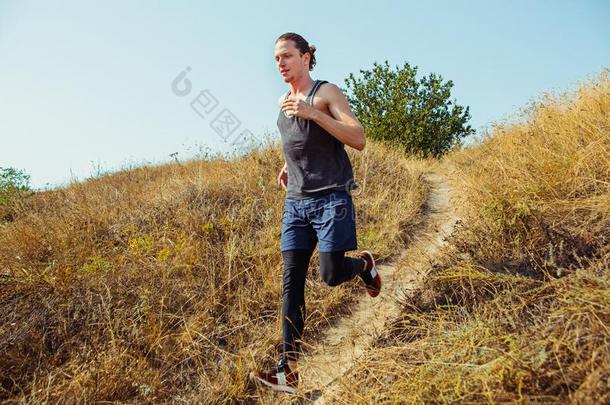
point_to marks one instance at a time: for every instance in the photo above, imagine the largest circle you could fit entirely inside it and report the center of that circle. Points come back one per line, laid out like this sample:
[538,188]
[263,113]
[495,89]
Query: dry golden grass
[164,283]
[519,308]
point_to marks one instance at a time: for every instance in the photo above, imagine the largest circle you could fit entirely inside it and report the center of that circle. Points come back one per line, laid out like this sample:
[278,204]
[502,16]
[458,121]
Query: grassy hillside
[518,309]
[164,283]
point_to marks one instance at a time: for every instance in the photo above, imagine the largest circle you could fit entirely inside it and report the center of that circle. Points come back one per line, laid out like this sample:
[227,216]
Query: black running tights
[335,268]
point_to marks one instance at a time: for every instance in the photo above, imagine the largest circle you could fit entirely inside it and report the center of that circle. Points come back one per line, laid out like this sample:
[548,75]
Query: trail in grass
[343,344]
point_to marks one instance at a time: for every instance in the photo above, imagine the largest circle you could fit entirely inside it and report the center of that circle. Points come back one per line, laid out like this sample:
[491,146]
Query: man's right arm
[282,177]
[285,167]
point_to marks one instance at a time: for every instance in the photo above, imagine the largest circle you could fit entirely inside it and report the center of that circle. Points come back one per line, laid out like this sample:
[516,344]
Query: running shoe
[370,275]
[278,378]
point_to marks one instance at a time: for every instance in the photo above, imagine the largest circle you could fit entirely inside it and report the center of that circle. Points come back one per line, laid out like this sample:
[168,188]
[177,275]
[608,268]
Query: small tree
[12,182]
[393,106]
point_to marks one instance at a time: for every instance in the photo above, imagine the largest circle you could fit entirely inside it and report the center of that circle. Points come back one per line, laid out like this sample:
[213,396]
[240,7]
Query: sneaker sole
[281,388]
[375,292]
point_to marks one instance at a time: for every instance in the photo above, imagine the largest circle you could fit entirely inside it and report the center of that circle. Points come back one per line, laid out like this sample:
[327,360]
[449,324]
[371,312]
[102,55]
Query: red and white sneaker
[279,378]
[370,276]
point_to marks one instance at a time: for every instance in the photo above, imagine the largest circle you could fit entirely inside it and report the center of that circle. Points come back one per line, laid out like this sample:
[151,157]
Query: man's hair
[301,44]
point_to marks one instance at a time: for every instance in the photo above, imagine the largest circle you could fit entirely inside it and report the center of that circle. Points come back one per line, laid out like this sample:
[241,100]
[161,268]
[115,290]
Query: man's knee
[330,268]
[331,279]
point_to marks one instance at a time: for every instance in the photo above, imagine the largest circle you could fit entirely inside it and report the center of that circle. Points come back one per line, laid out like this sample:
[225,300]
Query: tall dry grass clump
[536,193]
[164,283]
[518,308]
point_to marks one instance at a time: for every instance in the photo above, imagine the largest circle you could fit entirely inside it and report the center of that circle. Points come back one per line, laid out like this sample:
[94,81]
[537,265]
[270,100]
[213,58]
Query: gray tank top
[317,162]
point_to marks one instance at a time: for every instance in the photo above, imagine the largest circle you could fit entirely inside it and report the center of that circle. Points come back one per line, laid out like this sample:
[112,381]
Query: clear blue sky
[86,86]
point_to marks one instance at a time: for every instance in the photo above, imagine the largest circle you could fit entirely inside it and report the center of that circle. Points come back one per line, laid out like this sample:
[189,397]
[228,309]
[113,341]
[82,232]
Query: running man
[315,123]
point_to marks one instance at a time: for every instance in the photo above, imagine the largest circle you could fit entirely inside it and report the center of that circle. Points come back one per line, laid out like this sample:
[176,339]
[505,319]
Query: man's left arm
[343,125]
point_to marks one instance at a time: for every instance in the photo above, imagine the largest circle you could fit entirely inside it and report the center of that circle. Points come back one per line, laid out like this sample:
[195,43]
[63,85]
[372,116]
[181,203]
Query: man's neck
[300,86]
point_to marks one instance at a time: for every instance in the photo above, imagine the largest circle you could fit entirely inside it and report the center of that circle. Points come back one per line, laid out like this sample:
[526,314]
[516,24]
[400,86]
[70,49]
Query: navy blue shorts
[329,219]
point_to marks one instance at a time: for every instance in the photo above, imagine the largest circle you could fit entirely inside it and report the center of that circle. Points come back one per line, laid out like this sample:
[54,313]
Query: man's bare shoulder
[329,90]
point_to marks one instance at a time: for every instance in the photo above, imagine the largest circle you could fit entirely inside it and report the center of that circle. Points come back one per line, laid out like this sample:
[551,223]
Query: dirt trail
[348,340]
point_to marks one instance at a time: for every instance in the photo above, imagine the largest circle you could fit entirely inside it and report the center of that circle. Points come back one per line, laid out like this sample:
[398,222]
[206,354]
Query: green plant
[12,182]
[394,106]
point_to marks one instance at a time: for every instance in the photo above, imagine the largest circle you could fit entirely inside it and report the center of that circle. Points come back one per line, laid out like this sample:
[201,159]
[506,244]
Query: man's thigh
[335,223]
[297,232]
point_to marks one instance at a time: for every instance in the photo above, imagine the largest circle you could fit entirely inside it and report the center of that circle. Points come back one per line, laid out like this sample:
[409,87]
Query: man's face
[290,63]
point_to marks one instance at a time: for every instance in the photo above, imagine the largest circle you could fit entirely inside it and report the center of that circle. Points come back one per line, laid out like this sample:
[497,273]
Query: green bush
[12,182]
[394,106]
